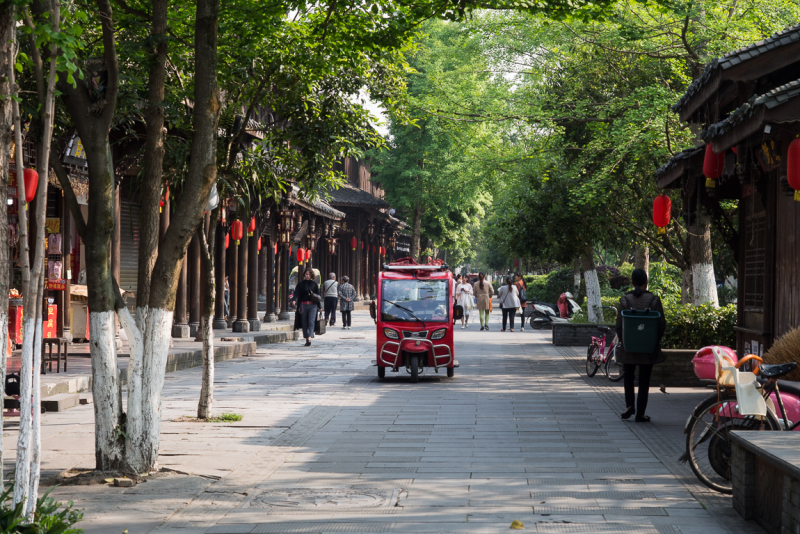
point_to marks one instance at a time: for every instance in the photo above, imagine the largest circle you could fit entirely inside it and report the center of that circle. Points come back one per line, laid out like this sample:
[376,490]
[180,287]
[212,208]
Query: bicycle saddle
[773,371]
[604,329]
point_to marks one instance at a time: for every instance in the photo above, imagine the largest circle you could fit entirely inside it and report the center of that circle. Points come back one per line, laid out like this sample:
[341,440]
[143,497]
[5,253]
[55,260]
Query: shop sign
[53,226]
[49,327]
[56,285]
[12,183]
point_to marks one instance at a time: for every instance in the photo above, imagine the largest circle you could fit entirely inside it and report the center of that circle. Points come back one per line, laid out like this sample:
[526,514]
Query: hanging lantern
[31,178]
[662,212]
[392,241]
[237,231]
[164,199]
[312,242]
[223,213]
[252,227]
[299,216]
[793,167]
[430,259]
[301,255]
[383,251]
[334,242]
[371,228]
[353,243]
[259,244]
[308,254]
[227,240]
[275,249]
[713,165]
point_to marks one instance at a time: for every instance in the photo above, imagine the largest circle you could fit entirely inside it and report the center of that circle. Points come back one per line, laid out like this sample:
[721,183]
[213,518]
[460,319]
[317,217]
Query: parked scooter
[545,314]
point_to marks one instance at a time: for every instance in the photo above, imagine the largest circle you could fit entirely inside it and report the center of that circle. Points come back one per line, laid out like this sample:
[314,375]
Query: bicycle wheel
[614,371]
[708,442]
[593,358]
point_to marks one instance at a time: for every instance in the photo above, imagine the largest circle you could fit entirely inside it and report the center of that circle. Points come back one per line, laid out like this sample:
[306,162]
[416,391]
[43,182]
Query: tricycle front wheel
[381,372]
[413,362]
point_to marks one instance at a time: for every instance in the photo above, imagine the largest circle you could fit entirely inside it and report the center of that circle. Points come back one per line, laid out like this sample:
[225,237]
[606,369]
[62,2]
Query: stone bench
[765,475]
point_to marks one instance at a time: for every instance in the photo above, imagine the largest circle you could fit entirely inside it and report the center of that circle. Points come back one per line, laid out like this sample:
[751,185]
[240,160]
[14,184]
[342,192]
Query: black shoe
[627,413]
[642,419]
[308,343]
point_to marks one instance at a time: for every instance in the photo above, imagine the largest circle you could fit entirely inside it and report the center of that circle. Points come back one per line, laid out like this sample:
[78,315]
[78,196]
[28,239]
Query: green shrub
[692,327]
[48,519]
[536,286]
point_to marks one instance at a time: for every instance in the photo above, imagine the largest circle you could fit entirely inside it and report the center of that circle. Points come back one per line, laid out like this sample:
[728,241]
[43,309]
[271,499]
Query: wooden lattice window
[755,261]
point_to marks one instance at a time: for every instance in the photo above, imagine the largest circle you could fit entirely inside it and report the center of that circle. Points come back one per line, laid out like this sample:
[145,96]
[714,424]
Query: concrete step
[61,402]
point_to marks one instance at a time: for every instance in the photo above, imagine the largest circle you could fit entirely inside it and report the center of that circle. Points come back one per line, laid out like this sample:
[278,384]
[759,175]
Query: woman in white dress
[465,299]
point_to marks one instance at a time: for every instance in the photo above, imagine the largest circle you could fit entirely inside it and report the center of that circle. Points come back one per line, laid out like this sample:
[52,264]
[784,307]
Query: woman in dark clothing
[305,306]
[639,299]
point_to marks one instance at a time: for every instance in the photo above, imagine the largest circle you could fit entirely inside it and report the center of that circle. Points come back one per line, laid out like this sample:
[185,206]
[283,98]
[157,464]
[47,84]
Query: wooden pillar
[241,324]
[233,278]
[66,271]
[219,274]
[284,284]
[194,286]
[358,261]
[180,328]
[252,282]
[268,252]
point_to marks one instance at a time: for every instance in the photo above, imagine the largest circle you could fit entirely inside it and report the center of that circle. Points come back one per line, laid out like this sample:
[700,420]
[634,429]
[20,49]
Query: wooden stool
[60,344]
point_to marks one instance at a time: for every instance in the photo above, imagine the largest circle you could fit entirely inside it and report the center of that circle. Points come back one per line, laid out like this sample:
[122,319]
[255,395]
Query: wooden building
[746,105]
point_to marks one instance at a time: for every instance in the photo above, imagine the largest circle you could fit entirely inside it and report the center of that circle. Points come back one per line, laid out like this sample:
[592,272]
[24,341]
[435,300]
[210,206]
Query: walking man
[330,290]
[347,295]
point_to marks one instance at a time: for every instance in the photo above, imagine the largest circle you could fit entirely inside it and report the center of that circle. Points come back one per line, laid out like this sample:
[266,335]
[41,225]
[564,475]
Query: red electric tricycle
[415,328]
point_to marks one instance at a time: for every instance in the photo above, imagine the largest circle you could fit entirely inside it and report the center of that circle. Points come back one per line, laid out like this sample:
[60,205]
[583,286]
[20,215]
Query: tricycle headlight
[439,334]
[391,334]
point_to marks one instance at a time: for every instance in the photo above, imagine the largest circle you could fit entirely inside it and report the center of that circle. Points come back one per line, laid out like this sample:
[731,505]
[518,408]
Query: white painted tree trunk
[3,365]
[207,388]
[22,473]
[686,286]
[106,391]
[594,305]
[704,285]
[36,438]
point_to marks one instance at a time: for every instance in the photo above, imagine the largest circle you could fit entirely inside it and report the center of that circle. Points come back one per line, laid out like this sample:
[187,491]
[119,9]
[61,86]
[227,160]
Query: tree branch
[69,193]
[132,10]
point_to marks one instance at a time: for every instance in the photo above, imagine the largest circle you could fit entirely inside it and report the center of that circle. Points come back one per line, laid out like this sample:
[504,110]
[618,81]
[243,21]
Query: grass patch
[225,418]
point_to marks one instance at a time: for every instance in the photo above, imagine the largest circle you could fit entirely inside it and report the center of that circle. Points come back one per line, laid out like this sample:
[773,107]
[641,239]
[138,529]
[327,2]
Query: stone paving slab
[325,446]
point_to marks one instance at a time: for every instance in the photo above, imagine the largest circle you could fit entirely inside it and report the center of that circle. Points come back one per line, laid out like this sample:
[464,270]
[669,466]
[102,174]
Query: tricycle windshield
[415,300]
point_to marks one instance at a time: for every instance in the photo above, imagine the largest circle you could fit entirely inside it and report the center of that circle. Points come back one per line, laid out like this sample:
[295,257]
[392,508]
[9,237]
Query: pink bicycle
[597,356]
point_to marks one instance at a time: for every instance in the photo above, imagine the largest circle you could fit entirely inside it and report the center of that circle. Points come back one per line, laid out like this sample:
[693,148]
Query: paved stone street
[324,446]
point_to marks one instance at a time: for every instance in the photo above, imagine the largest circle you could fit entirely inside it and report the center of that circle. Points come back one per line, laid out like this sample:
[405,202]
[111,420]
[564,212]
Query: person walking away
[484,291]
[508,295]
[305,305]
[465,299]
[639,299]
[330,290]
[227,297]
[347,296]
[523,298]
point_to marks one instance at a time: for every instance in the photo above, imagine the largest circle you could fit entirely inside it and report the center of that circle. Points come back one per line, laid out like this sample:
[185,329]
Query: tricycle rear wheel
[381,372]
[413,362]
[451,371]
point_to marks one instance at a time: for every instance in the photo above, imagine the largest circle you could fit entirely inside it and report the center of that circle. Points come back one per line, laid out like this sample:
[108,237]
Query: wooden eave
[787,113]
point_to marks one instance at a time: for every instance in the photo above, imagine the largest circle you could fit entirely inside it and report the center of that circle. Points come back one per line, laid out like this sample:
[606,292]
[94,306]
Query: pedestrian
[330,290]
[347,295]
[456,281]
[466,300]
[508,295]
[306,305]
[483,291]
[227,297]
[523,297]
[639,299]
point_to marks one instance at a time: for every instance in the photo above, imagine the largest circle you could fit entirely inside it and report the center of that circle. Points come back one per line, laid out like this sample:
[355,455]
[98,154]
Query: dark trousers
[509,312]
[346,319]
[308,315]
[330,309]
[644,386]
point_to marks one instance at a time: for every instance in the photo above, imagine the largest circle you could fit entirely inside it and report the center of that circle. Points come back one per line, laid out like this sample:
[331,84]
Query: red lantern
[275,249]
[237,231]
[383,251]
[252,227]
[31,178]
[793,167]
[259,244]
[227,240]
[301,255]
[430,259]
[353,243]
[662,212]
[308,254]
[713,165]
[164,200]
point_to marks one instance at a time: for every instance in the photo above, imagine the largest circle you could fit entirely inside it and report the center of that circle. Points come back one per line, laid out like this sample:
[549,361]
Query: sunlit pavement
[325,446]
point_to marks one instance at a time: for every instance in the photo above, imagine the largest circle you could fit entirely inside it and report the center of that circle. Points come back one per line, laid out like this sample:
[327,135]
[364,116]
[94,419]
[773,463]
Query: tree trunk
[415,236]
[686,286]
[576,276]
[207,246]
[594,306]
[642,259]
[704,285]
[7,32]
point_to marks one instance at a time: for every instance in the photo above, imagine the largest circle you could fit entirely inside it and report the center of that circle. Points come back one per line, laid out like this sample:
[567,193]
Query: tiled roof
[782,38]
[351,196]
[319,206]
[773,98]
[674,165]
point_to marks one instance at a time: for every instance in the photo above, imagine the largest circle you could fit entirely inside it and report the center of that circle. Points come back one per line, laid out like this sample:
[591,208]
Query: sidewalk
[324,446]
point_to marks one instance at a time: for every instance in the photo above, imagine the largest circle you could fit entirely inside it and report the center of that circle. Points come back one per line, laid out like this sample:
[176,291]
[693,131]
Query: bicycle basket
[640,330]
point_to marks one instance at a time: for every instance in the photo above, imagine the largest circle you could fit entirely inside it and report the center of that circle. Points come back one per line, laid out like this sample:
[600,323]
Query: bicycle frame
[601,342]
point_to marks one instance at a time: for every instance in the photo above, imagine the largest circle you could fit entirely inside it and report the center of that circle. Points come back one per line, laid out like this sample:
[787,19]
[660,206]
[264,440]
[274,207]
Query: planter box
[577,335]
[676,370]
